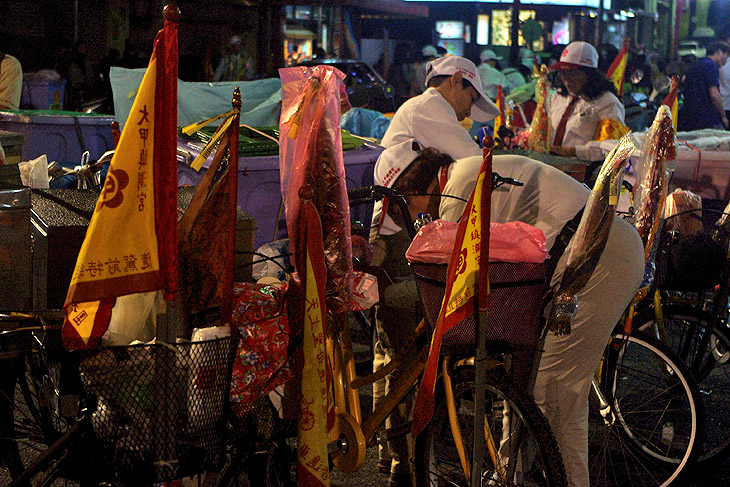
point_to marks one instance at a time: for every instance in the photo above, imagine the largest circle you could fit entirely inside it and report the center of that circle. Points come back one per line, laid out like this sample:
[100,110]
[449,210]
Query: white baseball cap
[390,164]
[488,55]
[429,51]
[577,54]
[484,109]
[393,161]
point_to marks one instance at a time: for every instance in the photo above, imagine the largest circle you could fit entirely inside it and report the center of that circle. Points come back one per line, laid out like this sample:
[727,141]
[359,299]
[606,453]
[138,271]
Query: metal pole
[480,382]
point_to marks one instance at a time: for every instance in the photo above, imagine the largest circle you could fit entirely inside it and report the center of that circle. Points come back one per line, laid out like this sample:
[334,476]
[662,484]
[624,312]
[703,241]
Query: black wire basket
[692,252]
[161,411]
[517,300]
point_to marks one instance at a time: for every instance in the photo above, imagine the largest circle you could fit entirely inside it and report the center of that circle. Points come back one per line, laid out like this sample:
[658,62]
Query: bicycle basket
[691,261]
[516,304]
[160,413]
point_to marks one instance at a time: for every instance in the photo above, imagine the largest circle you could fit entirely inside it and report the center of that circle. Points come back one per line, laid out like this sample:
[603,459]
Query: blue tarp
[261,99]
[365,123]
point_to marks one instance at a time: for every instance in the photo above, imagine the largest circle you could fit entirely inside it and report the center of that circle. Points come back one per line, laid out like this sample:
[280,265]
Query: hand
[563,151]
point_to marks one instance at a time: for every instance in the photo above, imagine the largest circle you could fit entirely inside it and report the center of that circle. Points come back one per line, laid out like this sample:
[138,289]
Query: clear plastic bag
[311,160]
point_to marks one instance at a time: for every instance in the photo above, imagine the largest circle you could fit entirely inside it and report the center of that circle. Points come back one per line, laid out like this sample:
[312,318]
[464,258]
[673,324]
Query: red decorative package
[260,366]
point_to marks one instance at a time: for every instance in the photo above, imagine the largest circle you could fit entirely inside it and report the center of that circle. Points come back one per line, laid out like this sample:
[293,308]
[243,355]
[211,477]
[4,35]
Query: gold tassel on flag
[671,101]
[499,121]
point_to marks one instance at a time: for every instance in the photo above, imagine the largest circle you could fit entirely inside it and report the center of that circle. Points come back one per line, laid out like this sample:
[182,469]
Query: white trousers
[569,361]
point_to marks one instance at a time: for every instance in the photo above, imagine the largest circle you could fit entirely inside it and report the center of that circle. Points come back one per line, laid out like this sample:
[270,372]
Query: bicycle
[646,417]
[689,313]
[352,434]
[145,413]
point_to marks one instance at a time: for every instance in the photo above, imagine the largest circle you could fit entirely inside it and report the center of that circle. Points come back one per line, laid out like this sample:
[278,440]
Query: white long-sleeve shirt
[548,199]
[584,120]
[725,86]
[431,121]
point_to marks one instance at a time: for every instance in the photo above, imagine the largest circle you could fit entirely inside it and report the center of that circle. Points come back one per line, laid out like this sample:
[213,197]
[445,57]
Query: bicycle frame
[352,434]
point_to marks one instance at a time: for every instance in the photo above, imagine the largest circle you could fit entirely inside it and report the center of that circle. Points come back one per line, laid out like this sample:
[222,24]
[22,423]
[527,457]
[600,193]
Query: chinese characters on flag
[467,272]
[131,243]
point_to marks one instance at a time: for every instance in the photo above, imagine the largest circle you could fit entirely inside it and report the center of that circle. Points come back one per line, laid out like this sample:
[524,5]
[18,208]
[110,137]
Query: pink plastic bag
[508,242]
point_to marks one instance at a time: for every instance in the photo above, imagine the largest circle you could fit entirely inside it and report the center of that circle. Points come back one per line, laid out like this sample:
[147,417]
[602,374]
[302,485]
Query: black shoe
[401,479]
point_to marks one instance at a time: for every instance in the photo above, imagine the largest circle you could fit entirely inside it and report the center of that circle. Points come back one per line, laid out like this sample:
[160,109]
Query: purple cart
[259,193]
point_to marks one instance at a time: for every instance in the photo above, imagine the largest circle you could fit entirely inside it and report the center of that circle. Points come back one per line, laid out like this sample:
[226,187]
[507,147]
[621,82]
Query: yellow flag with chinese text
[131,242]
[467,272]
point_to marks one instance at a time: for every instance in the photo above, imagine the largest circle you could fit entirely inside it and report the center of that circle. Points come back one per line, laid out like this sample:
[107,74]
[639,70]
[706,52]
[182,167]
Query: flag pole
[480,381]
[481,308]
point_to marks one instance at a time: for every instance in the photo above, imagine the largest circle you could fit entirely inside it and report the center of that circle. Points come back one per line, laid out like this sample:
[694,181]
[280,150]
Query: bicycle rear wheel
[708,358]
[650,428]
[30,403]
[528,454]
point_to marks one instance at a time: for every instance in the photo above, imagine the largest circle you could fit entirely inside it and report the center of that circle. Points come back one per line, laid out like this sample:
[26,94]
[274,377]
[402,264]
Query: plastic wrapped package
[650,189]
[591,236]
[682,211]
[539,137]
[312,163]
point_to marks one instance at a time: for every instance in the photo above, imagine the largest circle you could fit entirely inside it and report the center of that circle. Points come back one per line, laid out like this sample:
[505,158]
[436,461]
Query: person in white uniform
[549,200]
[11,82]
[454,92]
[429,120]
[584,102]
[490,75]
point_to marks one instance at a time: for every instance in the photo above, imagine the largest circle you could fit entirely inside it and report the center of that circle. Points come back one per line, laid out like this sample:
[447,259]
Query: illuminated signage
[561,3]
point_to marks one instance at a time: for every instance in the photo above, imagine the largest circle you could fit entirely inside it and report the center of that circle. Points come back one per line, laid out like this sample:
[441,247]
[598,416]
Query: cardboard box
[12,143]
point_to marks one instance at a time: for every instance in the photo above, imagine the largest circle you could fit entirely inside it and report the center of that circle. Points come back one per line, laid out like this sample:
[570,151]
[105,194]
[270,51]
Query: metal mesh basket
[160,413]
[517,292]
[692,251]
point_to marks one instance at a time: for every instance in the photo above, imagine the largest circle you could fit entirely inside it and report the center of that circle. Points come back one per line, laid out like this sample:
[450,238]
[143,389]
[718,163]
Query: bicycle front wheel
[650,423]
[523,451]
[708,357]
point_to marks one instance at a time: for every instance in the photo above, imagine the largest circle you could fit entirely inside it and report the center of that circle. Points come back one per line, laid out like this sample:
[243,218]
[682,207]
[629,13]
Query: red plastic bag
[508,242]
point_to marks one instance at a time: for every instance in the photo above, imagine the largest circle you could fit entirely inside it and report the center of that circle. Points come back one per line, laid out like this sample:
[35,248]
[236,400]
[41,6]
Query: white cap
[390,164]
[488,55]
[577,54]
[429,51]
[484,109]
[234,40]
[393,161]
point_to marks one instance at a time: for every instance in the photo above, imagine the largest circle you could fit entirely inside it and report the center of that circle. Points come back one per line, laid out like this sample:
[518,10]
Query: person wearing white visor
[454,92]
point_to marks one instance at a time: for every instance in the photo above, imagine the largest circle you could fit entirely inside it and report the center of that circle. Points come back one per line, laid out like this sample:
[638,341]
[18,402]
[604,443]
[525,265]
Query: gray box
[16,291]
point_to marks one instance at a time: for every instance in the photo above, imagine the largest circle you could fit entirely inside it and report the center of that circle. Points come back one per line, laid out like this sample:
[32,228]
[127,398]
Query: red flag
[671,101]
[131,243]
[207,230]
[618,68]
[499,121]
[468,269]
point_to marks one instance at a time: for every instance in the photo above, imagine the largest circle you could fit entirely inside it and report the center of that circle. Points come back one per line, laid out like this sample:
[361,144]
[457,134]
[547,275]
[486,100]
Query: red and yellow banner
[468,271]
[312,445]
[671,101]
[617,69]
[131,243]
[499,121]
